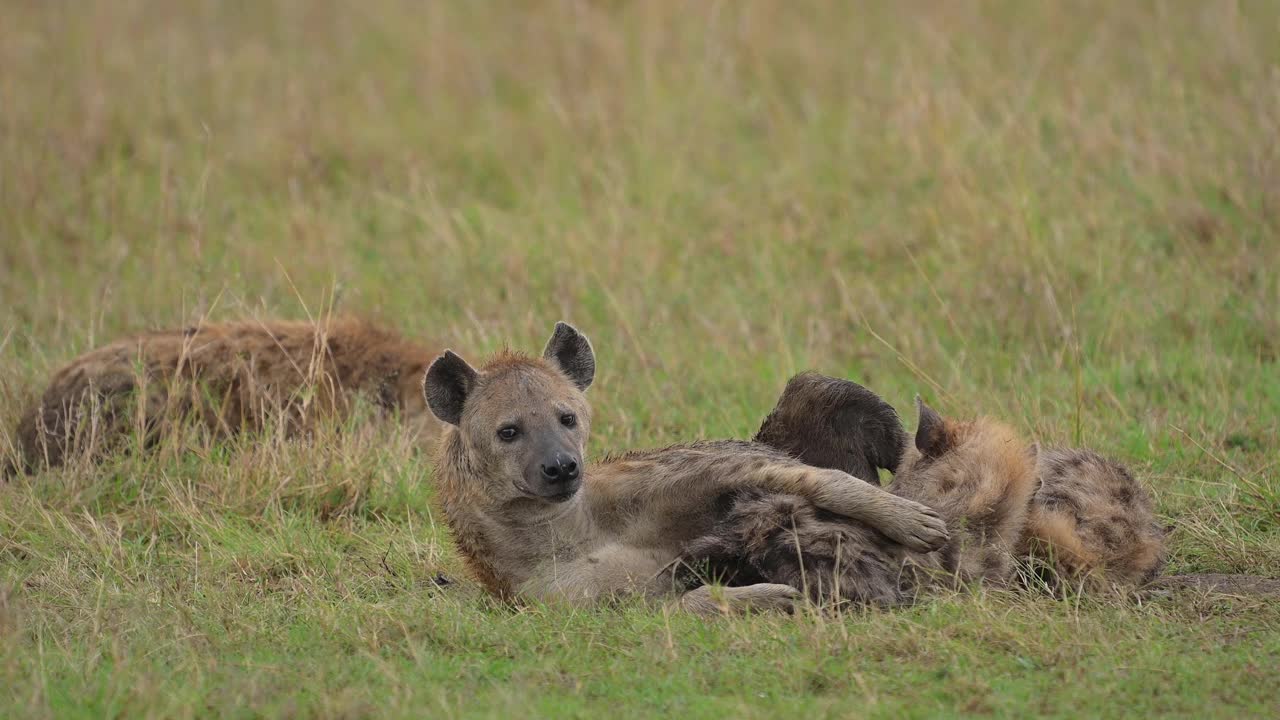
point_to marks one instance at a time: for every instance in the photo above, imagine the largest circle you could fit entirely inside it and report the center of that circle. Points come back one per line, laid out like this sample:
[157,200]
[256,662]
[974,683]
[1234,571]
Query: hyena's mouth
[551,495]
[561,497]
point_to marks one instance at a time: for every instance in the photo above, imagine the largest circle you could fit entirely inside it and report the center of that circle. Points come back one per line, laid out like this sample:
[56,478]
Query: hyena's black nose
[561,469]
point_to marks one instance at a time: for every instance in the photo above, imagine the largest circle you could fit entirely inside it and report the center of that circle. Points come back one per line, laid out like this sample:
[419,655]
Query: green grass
[1063,215]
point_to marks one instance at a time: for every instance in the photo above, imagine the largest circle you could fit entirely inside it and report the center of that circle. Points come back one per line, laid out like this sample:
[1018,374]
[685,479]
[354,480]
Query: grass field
[1066,215]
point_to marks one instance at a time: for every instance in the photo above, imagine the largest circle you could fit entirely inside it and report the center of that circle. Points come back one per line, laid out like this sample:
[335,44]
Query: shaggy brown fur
[1092,522]
[529,526]
[228,377]
[980,476]
[831,423]
[977,476]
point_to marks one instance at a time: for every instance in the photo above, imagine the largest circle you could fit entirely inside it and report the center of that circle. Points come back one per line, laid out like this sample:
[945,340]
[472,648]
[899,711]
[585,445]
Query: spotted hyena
[1010,507]
[227,377]
[977,477]
[534,521]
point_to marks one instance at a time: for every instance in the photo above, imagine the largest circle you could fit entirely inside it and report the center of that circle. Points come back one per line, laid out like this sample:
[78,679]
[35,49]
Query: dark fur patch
[831,423]
[783,539]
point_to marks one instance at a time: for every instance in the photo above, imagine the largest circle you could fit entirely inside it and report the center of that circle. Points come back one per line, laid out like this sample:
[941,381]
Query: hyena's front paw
[916,526]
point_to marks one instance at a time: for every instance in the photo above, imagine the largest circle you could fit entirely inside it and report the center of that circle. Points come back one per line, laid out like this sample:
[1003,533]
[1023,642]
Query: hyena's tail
[837,424]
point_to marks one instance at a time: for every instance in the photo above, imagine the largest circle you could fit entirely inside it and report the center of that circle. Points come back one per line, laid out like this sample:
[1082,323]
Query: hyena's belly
[611,570]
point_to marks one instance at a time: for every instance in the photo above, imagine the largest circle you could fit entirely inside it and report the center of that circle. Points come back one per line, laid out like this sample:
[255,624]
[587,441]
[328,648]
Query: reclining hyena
[532,521]
[1087,517]
[227,377]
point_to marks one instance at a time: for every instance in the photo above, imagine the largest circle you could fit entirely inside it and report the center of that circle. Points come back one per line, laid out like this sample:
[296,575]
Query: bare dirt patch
[1221,583]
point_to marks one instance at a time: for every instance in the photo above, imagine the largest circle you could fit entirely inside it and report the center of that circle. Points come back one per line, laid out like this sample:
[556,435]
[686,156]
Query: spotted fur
[227,377]
[1092,521]
[976,475]
[1072,512]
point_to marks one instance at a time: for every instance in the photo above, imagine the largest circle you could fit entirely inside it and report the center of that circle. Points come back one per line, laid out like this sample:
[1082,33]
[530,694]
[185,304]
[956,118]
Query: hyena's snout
[557,476]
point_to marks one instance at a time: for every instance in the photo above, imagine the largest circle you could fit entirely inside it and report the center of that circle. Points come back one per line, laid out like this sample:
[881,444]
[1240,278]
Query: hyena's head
[832,423]
[948,453]
[522,421]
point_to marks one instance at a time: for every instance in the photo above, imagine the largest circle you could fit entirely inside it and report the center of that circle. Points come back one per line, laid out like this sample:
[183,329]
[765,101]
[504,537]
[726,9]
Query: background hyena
[532,521]
[226,377]
[1067,510]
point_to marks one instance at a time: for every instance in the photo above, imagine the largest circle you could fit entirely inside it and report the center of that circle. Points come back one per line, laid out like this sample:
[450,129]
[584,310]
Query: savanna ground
[1061,214]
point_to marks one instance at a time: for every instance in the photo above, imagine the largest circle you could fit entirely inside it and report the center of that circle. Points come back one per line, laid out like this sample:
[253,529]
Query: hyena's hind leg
[1092,521]
[79,415]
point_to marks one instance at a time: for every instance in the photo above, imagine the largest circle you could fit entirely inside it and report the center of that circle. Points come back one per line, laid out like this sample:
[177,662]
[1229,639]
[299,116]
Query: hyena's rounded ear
[446,385]
[931,433]
[571,351]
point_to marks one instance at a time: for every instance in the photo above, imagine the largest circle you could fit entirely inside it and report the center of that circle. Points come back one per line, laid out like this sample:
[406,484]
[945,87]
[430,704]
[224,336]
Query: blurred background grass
[1064,215]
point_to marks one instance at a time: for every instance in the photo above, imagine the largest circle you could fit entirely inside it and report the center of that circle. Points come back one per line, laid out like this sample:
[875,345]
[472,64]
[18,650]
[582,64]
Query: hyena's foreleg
[706,600]
[916,526]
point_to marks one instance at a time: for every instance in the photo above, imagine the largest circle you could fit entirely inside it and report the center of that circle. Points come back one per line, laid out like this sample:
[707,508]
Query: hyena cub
[532,520]
[1069,511]
[227,377]
[976,475]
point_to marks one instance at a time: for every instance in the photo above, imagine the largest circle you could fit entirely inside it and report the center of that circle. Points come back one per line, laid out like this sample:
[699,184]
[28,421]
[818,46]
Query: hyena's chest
[664,526]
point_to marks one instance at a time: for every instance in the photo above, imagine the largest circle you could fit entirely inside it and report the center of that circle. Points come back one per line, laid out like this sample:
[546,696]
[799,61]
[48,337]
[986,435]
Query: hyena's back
[1092,520]
[227,377]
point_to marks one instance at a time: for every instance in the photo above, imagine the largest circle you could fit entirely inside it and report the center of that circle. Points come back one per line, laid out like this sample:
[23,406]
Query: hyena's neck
[502,543]
[473,538]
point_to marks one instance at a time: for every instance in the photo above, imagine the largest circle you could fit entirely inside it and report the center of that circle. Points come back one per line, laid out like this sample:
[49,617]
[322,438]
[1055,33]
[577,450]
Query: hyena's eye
[568,419]
[507,433]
